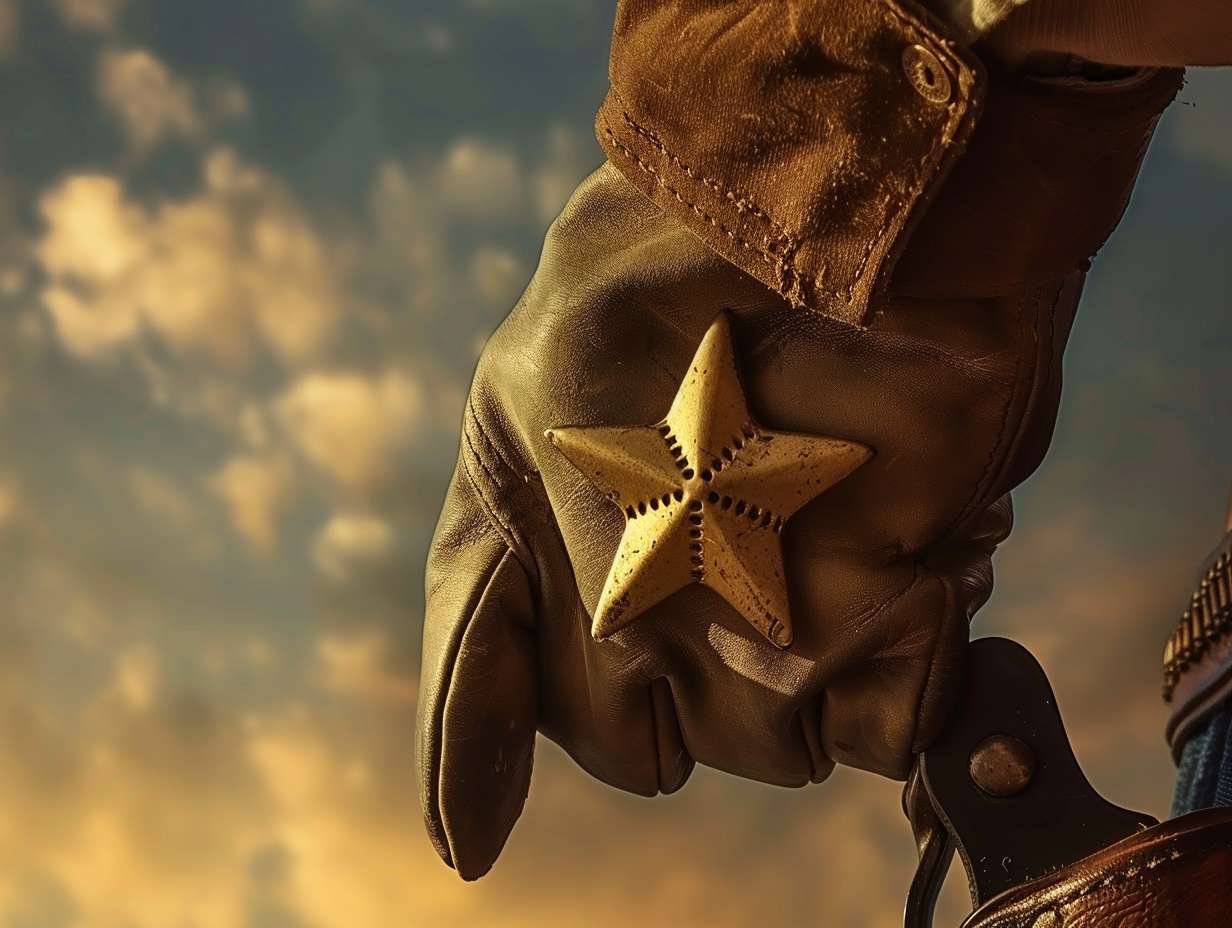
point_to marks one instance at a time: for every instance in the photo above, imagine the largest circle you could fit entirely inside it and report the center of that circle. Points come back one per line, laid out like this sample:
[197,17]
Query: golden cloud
[9,497]
[94,15]
[497,275]
[150,101]
[350,541]
[10,27]
[480,179]
[214,277]
[160,496]
[358,665]
[256,490]
[352,426]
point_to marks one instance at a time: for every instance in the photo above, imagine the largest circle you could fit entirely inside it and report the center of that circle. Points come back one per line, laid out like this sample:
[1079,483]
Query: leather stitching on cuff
[784,266]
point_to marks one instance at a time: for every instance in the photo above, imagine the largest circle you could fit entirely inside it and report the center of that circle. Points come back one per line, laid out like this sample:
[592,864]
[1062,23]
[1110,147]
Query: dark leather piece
[934,849]
[1053,816]
[954,386]
[1018,166]
[1175,874]
[1040,847]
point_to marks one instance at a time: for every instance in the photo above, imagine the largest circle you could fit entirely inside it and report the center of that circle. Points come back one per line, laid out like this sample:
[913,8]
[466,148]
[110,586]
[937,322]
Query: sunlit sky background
[248,254]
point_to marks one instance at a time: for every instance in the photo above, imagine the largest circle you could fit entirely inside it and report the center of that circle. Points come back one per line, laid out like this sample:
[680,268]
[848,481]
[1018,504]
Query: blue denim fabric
[1205,776]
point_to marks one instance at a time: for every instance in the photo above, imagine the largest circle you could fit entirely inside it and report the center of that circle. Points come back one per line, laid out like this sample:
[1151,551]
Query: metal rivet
[1002,765]
[926,73]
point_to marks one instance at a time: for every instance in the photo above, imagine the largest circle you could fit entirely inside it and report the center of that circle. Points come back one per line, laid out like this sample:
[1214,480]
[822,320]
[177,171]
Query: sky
[248,255]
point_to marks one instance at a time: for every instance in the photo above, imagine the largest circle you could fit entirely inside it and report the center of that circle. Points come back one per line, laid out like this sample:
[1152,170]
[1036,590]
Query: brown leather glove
[774,649]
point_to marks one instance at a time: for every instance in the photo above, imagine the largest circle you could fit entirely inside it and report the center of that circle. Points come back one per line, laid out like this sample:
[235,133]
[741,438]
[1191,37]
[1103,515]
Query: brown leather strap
[935,849]
[1004,780]
[1002,787]
[1041,848]
[1175,874]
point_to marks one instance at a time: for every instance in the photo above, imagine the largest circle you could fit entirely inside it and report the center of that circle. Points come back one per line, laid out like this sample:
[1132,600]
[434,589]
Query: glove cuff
[806,157]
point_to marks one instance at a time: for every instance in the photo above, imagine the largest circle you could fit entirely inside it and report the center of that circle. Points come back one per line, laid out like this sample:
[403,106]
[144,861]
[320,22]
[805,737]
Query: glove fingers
[869,713]
[719,671]
[478,703]
[675,763]
[609,709]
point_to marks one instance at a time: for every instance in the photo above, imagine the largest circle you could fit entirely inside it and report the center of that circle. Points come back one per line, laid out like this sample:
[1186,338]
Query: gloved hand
[883,568]
[763,518]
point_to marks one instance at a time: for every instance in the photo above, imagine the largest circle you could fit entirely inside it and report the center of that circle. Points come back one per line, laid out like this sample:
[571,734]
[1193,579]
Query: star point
[705,494]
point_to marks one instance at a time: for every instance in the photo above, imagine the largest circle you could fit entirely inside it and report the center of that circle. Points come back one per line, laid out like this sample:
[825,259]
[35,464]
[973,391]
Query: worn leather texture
[952,377]
[1173,875]
[798,158]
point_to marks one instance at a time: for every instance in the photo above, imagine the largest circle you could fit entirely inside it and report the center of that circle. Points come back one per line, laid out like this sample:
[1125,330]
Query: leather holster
[1042,849]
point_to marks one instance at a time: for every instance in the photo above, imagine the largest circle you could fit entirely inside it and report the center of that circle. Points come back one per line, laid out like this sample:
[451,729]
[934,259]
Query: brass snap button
[1002,766]
[926,74]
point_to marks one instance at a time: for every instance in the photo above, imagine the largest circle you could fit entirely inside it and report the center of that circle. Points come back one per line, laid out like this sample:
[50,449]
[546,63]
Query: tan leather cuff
[809,156]
[1173,874]
[799,153]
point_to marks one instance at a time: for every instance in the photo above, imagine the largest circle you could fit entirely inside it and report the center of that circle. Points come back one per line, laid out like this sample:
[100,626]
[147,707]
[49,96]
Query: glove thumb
[475,738]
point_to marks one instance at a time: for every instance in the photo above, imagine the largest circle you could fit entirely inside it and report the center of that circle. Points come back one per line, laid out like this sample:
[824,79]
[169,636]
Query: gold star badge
[705,494]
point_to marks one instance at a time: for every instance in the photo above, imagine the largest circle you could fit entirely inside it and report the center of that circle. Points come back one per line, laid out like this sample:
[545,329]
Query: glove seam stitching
[870,615]
[735,196]
[783,265]
[980,487]
[1041,373]
[508,533]
[496,452]
[515,537]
